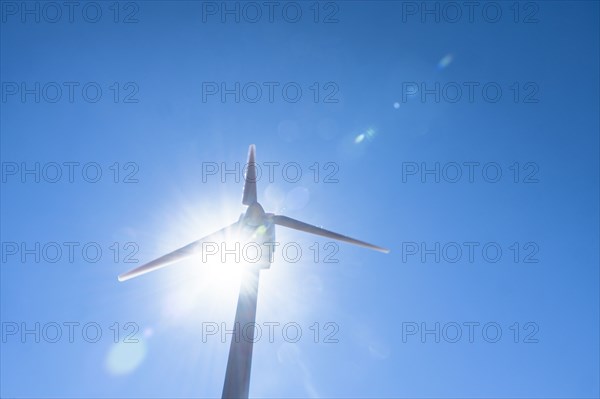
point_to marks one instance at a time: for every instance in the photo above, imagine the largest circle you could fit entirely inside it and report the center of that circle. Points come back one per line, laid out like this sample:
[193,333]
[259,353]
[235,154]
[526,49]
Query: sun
[197,287]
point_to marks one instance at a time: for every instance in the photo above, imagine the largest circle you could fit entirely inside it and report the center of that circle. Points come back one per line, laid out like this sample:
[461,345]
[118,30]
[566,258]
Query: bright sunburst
[193,288]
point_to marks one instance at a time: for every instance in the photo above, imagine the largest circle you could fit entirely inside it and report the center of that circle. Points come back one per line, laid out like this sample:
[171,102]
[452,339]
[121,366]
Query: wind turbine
[257,225]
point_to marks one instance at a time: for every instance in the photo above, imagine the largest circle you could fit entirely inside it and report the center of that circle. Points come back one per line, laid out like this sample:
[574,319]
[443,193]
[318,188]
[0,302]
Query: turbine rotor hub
[255,215]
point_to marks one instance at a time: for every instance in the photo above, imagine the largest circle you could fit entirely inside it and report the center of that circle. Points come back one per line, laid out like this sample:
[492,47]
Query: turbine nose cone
[255,215]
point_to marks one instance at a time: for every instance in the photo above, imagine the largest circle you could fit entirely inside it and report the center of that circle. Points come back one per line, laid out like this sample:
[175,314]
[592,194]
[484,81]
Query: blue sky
[375,127]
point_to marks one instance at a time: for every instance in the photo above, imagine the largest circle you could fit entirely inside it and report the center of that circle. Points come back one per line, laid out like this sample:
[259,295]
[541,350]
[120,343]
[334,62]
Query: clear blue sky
[369,59]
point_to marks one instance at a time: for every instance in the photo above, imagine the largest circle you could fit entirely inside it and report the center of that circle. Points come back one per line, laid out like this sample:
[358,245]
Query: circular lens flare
[124,357]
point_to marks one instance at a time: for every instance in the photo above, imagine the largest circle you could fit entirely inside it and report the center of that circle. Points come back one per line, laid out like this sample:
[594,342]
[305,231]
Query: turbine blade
[309,228]
[177,255]
[249,197]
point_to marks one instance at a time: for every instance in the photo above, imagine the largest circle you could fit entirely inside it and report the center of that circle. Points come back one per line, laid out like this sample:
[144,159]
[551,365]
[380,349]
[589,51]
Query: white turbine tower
[258,226]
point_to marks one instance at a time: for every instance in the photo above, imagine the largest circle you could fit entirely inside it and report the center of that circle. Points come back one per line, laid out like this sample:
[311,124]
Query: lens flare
[368,135]
[124,357]
[445,61]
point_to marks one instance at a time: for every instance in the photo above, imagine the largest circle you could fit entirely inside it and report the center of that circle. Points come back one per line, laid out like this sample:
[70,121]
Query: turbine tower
[257,226]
